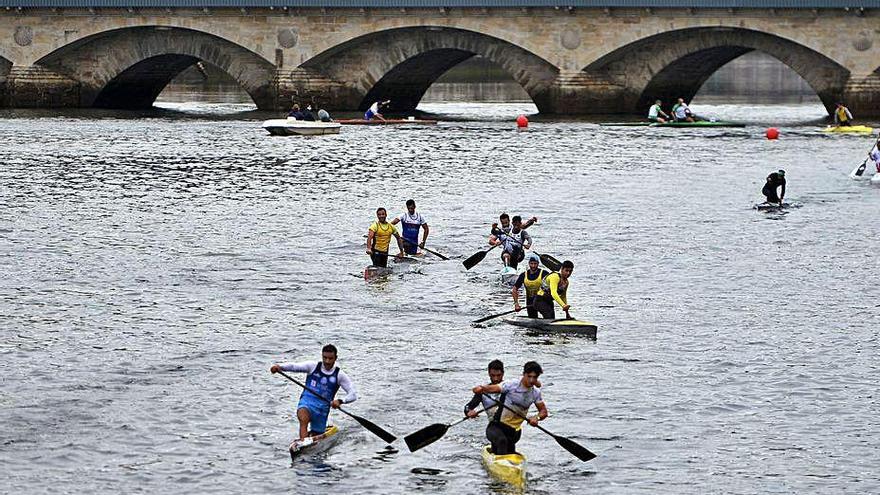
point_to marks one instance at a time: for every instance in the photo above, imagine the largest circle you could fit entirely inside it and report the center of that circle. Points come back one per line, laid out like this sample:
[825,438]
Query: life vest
[533,286]
[841,114]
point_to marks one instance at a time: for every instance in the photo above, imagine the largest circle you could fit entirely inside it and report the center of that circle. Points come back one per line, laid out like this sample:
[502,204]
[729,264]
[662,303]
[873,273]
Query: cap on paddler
[782,172]
[534,257]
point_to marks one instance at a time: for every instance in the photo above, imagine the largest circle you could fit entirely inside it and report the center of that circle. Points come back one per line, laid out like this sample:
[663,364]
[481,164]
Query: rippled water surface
[156,265]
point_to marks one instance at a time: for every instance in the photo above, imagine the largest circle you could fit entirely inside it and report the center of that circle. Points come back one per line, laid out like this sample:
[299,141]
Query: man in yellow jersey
[532,280]
[505,428]
[379,239]
[554,288]
[842,116]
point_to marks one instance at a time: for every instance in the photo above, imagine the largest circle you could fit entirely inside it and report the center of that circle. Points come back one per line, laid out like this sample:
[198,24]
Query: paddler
[774,180]
[682,112]
[875,154]
[373,111]
[554,288]
[842,116]
[326,379]
[379,239]
[412,223]
[531,279]
[513,238]
[505,428]
[656,114]
[496,376]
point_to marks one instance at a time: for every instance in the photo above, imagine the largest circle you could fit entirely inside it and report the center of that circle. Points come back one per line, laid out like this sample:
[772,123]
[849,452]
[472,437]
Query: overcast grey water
[155,265]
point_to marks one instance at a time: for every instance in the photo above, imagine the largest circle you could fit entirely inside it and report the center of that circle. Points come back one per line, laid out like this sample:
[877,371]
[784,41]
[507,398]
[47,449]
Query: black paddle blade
[576,449]
[861,169]
[426,436]
[379,432]
[473,260]
[550,262]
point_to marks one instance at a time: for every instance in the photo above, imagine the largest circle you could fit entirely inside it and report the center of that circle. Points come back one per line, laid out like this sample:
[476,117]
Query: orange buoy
[772,133]
[522,121]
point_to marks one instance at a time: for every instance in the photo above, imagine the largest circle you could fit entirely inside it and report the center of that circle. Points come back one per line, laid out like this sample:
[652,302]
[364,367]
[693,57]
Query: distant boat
[699,123]
[294,127]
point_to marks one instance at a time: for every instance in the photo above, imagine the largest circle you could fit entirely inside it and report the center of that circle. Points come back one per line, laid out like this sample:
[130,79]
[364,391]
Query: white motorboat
[294,127]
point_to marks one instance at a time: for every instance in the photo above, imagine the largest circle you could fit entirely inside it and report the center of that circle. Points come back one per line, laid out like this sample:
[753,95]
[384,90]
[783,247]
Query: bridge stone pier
[581,59]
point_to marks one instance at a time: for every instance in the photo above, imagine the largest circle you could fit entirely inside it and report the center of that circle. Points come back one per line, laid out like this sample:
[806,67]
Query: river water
[155,265]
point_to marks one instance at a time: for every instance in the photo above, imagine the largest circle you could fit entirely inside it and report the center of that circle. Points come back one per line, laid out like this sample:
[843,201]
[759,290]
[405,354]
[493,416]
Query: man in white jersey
[505,429]
[412,223]
[513,238]
[496,376]
[323,378]
[682,111]
[373,111]
[656,114]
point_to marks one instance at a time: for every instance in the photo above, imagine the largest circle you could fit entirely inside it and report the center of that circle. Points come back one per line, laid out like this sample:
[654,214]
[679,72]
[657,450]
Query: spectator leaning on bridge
[656,114]
[842,115]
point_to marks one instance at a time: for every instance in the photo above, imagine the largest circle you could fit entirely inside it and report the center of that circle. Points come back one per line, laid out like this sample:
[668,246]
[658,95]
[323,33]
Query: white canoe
[509,275]
[293,127]
[314,445]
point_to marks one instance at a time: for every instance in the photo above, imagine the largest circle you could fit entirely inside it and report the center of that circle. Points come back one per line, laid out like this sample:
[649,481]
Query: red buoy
[522,121]
[772,133]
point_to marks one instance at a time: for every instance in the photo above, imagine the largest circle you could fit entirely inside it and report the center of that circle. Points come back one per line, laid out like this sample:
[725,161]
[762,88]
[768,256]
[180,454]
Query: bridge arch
[136,63]
[675,64]
[401,63]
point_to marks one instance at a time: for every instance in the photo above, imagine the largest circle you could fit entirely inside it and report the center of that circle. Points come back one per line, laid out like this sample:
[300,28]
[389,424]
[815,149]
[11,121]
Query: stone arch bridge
[586,57]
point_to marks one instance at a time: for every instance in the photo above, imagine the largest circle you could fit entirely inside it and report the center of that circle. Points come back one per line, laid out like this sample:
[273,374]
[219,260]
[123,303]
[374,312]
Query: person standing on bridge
[842,116]
[373,111]
[656,114]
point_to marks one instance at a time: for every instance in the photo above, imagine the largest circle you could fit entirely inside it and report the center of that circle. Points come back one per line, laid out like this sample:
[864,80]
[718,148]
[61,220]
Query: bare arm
[370,241]
[425,235]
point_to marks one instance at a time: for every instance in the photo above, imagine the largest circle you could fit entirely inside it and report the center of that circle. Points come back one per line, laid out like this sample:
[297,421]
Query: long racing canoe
[386,122]
[699,123]
[314,445]
[509,468]
[849,129]
[561,325]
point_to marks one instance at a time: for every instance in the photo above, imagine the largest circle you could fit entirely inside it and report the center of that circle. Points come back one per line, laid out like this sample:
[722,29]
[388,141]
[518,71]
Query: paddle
[861,169]
[375,429]
[487,318]
[430,434]
[477,257]
[568,444]
[435,253]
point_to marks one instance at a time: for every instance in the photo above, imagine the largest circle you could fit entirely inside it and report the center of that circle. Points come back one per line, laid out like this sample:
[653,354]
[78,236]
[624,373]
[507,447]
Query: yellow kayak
[314,445]
[855,129]
[509,468]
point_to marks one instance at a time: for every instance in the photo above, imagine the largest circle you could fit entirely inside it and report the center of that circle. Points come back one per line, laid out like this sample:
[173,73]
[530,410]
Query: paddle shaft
[477,257]
[487,318]
[435,253]
[309,389]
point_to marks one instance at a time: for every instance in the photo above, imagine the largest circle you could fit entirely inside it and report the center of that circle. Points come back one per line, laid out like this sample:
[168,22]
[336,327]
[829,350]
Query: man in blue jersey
[326,379]
[412,223]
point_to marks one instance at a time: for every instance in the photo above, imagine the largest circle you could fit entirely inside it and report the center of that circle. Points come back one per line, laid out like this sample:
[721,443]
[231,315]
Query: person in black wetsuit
[774,180]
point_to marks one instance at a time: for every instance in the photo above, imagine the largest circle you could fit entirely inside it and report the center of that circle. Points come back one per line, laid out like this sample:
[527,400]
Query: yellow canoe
[314,445]
[509,468]
[855,129]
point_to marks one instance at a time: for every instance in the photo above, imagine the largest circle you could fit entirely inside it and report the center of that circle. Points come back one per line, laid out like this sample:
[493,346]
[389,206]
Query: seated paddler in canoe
[323,380]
